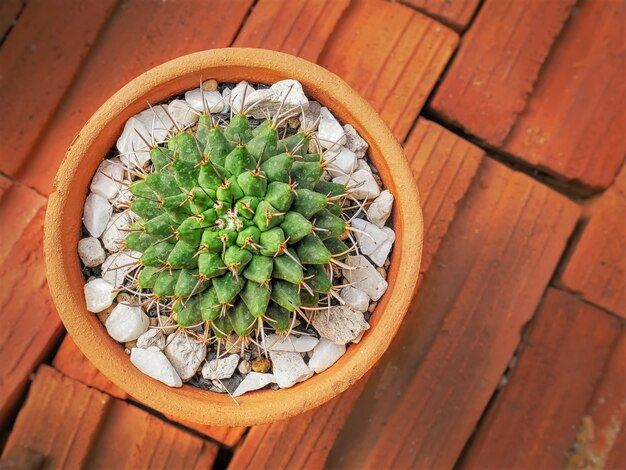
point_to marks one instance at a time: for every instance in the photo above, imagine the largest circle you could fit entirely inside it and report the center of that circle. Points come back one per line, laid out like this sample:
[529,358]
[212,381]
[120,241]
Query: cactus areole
[237,227]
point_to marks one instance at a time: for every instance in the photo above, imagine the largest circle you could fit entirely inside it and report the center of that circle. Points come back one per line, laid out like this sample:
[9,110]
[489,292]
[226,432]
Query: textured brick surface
[392,55]
[296,27]
[597,266]
[487,85]
[75,426]
[39,60]
[72,363]
[574,121]
[533,420]
[456,13]
[9,9]
[429,390]
[167,30]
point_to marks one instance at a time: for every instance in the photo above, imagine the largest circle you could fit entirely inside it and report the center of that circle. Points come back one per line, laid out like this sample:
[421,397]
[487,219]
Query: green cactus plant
[237,231]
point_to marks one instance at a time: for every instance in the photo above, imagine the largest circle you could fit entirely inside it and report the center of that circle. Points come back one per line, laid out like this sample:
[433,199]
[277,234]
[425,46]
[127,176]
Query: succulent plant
[237,230]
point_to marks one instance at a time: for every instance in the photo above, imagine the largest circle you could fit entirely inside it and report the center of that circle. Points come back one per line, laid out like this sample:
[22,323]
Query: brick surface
[487,85]
[456,14]
[600,439]
[72,363]
[39,60]
[75,426]
[429,390]
[444,166]
[392,55]
[166,31]
[534,417]
[298,27]
[574,121]
[29,324]
[597,267]
[5,184]
[9,9]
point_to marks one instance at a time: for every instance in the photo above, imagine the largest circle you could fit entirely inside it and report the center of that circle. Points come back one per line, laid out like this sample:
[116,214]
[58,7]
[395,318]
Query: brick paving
[512,352]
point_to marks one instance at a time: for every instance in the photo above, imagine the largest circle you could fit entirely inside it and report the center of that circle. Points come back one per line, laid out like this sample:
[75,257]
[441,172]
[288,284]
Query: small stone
[261,364]
[289,368]
[365,277]
[130,345]
[118,265]
[290,343]
[361,164]
[91,252]
[154,321]
[220,368]
[233,343]
[185,354]
[167,325]
[286,95]
[105,181]
[381,254]
[378,212]
[382,273]
[369,237]
[361,184]
[355,298]
[127,322]
[96,215]
[325,354]
[133,150]
[153,363]
[226,96]
[104,314]
[310,120]
[341,162]
[341,325]
[183,113]
[157,123]
[358,338]
[151,338]
[330,133]
[372,307]
[354,141]
[99,295]
[116,231]
[237,94]
[254,381]
[244,367]
[210,85]
[214,101]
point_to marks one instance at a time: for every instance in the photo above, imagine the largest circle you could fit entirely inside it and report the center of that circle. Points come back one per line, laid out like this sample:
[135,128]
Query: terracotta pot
[63,230]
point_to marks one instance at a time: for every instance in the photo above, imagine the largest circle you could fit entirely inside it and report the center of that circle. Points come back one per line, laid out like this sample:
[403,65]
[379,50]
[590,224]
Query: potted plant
[64,230]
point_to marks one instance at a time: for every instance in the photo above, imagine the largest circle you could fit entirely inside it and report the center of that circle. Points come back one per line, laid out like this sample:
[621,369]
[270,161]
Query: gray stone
[289,368]
[340,324]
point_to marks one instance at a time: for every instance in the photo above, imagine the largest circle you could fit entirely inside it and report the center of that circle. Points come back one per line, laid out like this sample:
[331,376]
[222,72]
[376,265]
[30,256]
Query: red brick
[534,417]
[300,442]
[71,362]
[298,27]
[574,121]
[487,85]
[600,440]
[9,9]
[457,14]
[392,55]
[444,166]
[39,60]
[5,184]
[140,36]
[75,426]
[29,324]
[597,267]
[429,390]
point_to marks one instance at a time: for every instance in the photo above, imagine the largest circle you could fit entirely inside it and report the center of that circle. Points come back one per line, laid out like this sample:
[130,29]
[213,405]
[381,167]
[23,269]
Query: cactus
[237,231]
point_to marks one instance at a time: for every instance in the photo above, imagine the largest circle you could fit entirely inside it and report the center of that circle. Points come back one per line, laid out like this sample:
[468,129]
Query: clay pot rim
[63,223]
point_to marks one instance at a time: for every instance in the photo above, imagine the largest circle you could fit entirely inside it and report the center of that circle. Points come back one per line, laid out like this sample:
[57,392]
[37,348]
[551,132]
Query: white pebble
[289,368]
[97,212]
[185,354]
[220,368]
[361,184]
[133,150]
[355,298]
[105,181]
[118,265]
[379,210]
[330,133]
[290,343]
[237,94]
[358,338]
[116,231]
[151,338]
[340,324]
[126,322]
[354,141]
[365,277]
[284,94]
[254,381]
[369,237]
[153,363]
[342,162]
[99,295]
[91,252]
[380,255]
[213,100]
[157,122]
[325,354]
[311,115]
[182,112]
